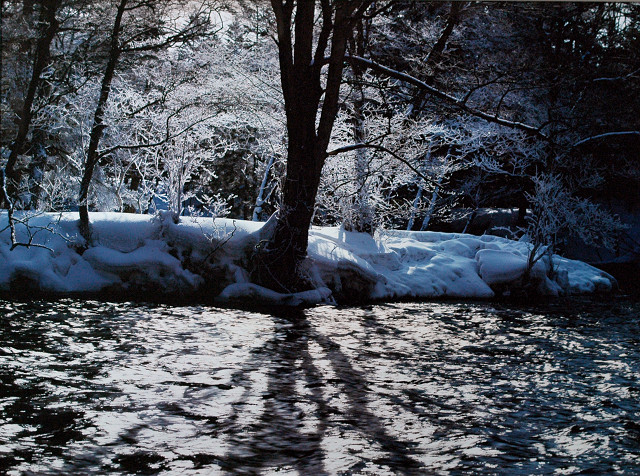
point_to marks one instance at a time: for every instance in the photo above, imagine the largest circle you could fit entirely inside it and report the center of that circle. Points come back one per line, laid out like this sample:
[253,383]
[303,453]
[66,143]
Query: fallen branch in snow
[221,242]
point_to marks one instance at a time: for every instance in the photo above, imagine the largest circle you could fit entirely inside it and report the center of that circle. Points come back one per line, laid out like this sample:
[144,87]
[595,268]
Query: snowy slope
[201,255]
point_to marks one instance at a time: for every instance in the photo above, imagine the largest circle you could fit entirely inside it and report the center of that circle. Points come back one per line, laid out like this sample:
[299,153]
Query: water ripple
[409,388]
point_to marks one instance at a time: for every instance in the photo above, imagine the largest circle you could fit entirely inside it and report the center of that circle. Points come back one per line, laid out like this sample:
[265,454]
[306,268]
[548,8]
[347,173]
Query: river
[400,388]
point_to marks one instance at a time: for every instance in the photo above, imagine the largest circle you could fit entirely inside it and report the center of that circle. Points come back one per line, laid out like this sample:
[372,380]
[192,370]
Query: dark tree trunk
[277,264]
[41,57]
[287,247]
[98,124]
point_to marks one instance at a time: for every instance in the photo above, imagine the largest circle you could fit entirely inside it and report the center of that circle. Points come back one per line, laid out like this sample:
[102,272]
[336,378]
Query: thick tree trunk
[278,267]
[277,264]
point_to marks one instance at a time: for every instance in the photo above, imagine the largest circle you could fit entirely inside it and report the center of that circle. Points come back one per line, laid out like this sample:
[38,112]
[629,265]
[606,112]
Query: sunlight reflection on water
[402,388]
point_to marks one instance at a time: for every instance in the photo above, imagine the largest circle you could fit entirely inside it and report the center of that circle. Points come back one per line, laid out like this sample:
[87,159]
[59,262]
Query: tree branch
[167,138]
[366,145]
[606,134]
[459,103]
[617,78]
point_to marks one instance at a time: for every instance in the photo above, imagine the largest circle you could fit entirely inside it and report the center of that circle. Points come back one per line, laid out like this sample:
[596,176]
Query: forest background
[445,110]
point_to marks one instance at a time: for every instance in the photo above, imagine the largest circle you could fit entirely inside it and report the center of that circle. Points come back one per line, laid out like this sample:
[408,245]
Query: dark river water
[403,388]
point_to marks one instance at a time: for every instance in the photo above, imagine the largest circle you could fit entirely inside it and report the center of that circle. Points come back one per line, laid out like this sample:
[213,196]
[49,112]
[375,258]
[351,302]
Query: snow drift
[209,257]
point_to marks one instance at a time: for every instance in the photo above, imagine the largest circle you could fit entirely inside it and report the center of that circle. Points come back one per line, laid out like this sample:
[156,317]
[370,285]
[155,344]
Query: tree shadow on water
[284,435]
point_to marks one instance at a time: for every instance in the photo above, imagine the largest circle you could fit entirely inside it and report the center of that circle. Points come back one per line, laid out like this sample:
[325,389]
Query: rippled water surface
[99,388]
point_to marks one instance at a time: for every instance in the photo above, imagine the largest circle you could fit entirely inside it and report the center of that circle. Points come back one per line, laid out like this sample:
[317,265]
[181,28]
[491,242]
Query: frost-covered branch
[167,138]
[617,78]
[12,221]
[605,135]
[557,212]
[367,145]
[453,100]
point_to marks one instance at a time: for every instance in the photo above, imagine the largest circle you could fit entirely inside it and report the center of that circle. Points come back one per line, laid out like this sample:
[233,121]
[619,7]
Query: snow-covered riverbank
[209,258]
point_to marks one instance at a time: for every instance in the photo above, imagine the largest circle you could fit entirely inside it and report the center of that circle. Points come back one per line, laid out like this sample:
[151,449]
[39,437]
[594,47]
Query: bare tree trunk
[470,219]
[277,263]
[414,208]
[288,245]
[98,124]
[363,221]
[419,193]
[41,57]
[262,192]
[432,205]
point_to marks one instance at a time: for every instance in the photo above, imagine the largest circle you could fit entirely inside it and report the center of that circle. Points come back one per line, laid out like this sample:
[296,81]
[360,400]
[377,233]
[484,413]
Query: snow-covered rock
[253,294]
[498,266]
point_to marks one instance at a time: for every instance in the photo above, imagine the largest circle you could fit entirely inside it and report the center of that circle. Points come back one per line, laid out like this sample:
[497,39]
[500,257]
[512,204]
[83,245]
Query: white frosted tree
[557,213]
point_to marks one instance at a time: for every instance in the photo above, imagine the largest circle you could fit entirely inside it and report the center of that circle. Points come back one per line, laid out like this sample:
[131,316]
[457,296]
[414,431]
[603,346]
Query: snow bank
[141,253]
[415,264]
